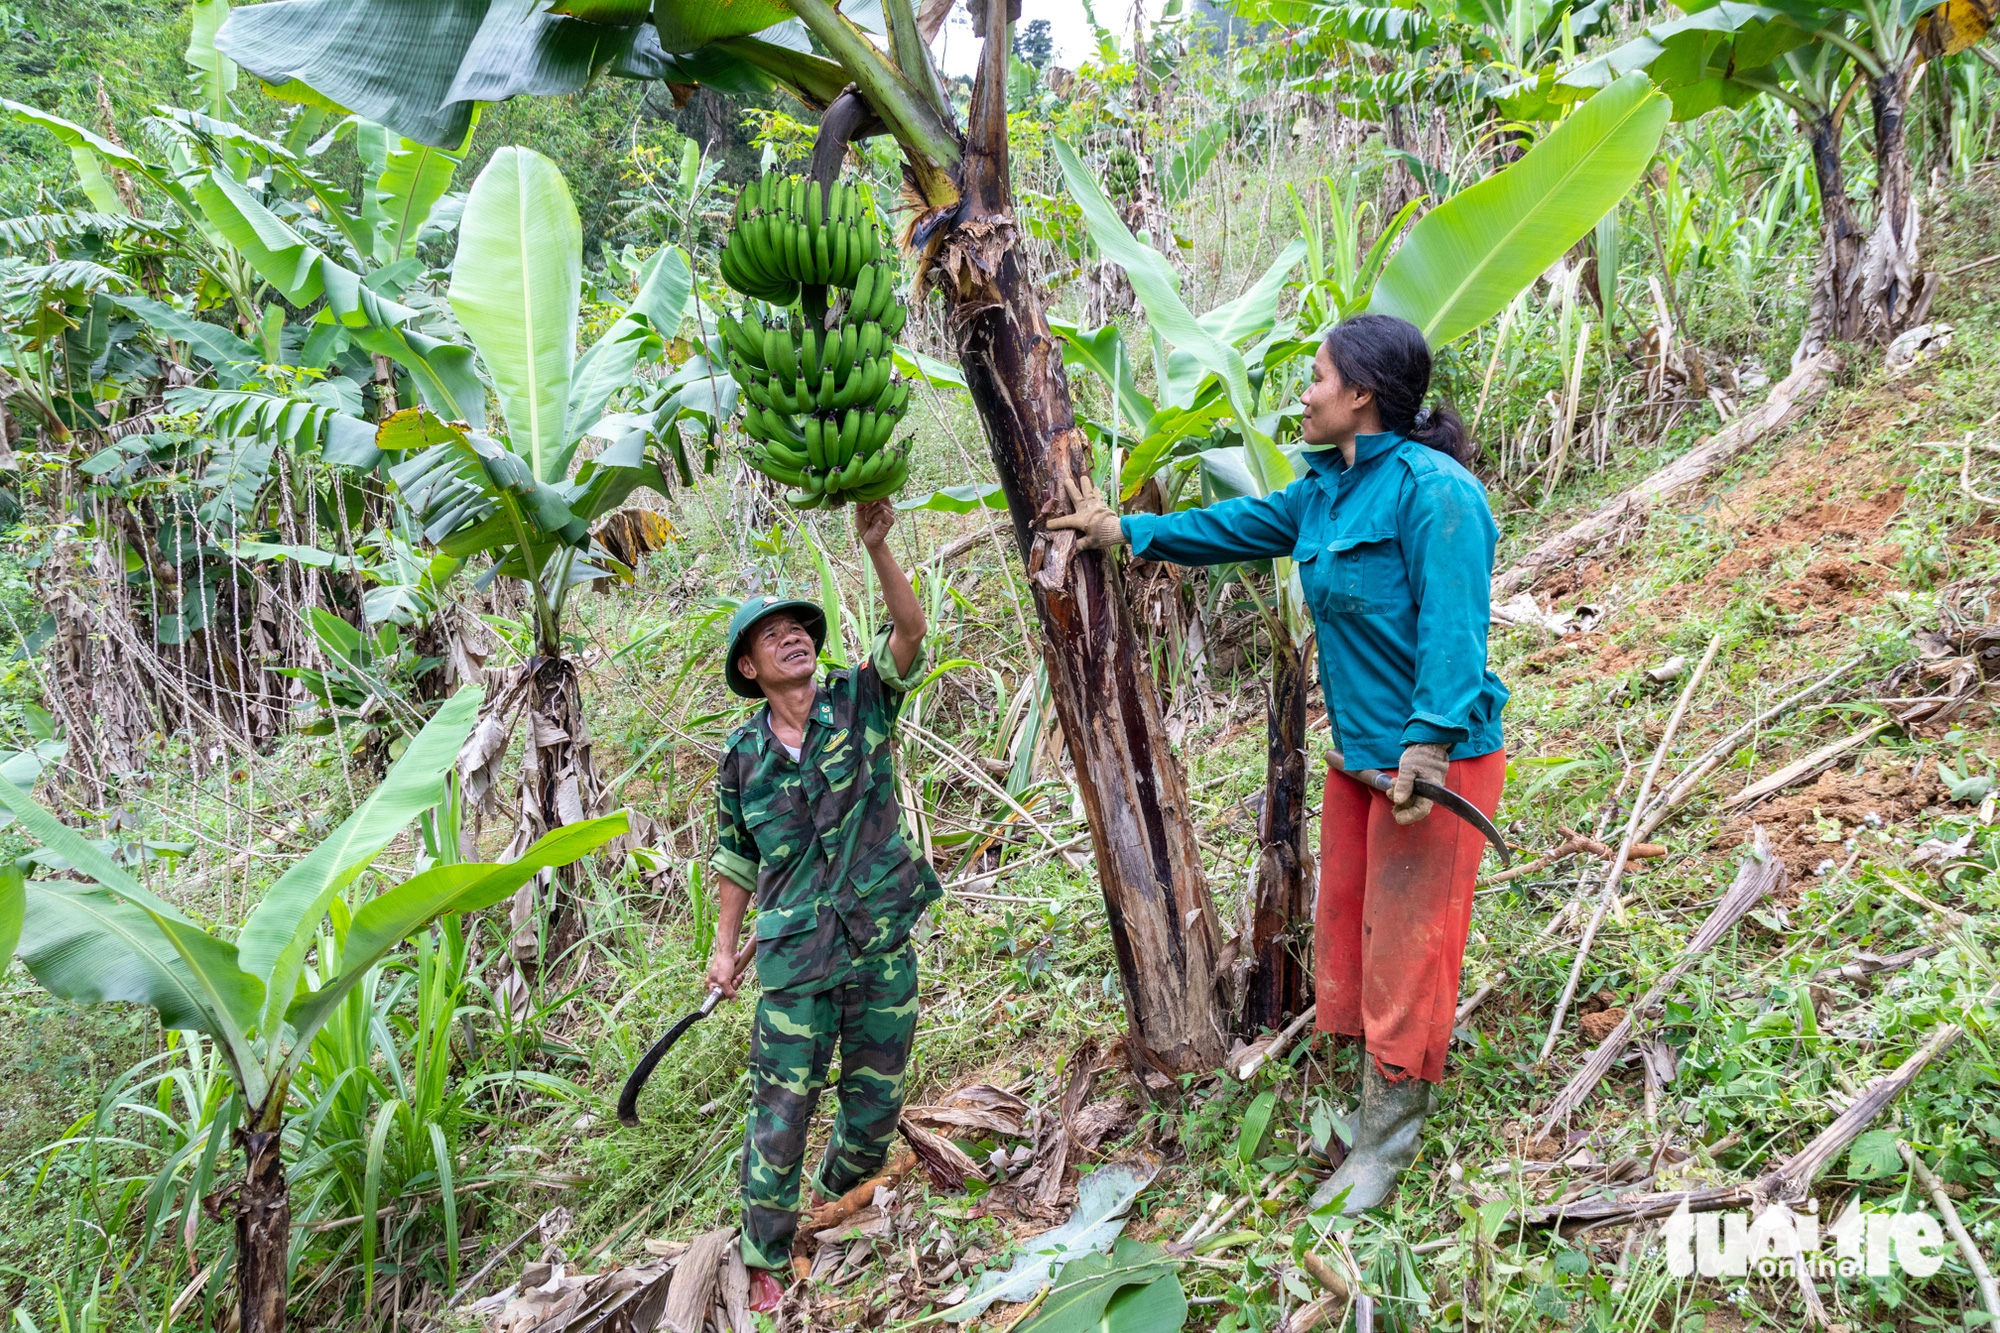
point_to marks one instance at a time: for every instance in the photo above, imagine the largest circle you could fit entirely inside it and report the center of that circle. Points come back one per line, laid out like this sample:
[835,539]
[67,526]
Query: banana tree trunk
[1163,921]
[1894,295]
[1278,916]
[1835,314]
[558,786]
[263,1233]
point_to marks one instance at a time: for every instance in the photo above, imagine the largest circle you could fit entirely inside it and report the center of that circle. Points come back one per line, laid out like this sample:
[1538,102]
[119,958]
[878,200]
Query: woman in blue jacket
[1394,544]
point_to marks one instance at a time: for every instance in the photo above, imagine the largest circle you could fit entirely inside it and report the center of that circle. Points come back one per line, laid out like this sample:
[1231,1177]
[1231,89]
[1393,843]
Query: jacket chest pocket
[779,833]
[1363,574]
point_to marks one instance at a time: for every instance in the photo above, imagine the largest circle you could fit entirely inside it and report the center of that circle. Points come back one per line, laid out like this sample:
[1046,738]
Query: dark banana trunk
[1278,917]
[1163,922]
[263,1233]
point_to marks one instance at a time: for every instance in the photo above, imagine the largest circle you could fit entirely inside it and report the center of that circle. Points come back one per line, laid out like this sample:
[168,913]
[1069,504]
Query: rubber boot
[1388,1130]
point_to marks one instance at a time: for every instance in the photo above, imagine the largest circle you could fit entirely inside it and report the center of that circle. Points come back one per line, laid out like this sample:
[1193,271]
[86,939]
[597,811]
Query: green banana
[850,347]
[893,318]
[762,460]
[815,210]
[891,481]
[809,355]
[785,454]
[885,296]
[816,452]
[850,431]
[872,468]
[783,354]
[823,400]
[864,293]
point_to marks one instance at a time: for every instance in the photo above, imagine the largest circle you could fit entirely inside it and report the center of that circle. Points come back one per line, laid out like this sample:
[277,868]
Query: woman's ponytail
[1389,358]
[1439,428]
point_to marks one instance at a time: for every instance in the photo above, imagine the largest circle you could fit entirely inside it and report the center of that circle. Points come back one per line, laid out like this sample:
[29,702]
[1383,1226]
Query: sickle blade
[628,1097]
[1467,811]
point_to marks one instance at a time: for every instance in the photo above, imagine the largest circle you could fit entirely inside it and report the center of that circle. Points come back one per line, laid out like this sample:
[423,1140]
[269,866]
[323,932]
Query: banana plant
[106,937]
[253,216]
[1805,55]
[513,495]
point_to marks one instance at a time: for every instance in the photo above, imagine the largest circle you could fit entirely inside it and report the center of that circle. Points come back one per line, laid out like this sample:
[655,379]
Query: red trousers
[1395,903]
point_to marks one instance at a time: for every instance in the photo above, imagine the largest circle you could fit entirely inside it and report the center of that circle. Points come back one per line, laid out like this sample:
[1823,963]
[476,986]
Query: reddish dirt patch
[1570,580]
[1834,587]
[1794,817]
[1598,1026]
[1608,657]
[1541,660]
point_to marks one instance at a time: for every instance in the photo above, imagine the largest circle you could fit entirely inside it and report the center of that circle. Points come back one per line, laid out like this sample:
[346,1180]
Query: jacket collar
[1368,448]
[822,713]
[1327,463]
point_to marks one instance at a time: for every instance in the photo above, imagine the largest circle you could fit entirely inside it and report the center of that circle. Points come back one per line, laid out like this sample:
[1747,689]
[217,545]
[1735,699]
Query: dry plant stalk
[1758,878]
[1786,1183]
[1989,1290]
[1610,894]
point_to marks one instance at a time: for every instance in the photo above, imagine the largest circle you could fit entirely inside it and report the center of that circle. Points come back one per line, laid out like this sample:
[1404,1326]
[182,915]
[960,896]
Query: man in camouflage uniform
[808,815]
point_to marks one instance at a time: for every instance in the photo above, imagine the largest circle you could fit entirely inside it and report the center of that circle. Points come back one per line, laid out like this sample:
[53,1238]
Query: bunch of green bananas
[788,232]
[1121,172]
[820,396]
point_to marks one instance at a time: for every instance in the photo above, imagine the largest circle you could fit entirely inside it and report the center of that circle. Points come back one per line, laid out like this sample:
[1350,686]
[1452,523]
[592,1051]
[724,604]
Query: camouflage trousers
[872,1017]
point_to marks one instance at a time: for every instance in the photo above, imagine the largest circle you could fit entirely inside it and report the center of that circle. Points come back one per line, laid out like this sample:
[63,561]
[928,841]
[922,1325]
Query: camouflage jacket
[821,838]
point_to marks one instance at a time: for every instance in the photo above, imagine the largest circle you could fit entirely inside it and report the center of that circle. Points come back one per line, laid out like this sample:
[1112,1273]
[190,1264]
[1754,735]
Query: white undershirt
[792,750]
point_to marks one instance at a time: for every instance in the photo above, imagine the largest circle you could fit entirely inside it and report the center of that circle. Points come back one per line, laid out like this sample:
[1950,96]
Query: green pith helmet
[753,612]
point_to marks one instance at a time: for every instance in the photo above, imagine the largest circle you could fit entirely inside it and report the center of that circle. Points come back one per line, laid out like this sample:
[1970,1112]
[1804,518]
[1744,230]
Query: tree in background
[1034,44]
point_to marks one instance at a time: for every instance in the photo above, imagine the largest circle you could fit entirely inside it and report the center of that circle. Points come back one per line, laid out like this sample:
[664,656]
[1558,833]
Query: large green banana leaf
[685,25]
[607,365]
[1720,55]
[1104,354]
[391,61]
[114,941]
[410,178]
[234,360]
[393,916]
[421,67]
[1157,287]
[87,151]
[515,288]
[88,944]
[216,71]
[1474,253]
[280,929]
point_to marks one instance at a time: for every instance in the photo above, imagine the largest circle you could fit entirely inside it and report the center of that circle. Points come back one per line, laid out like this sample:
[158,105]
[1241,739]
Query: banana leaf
[685,25]
[395,915]
[1475,252]
[1716,56]
[422,69]
[87,151]
[1157,287]
[607,365]
[281,928]
[515,289]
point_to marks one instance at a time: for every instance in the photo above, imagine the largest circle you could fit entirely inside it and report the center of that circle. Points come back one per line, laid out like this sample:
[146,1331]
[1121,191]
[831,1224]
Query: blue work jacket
[1396,558]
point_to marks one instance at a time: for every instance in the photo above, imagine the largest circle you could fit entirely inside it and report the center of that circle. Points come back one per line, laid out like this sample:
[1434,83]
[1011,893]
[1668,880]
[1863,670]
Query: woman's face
[1335,413]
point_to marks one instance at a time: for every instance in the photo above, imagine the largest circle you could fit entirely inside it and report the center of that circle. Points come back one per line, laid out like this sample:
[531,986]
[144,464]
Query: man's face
[780,652]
